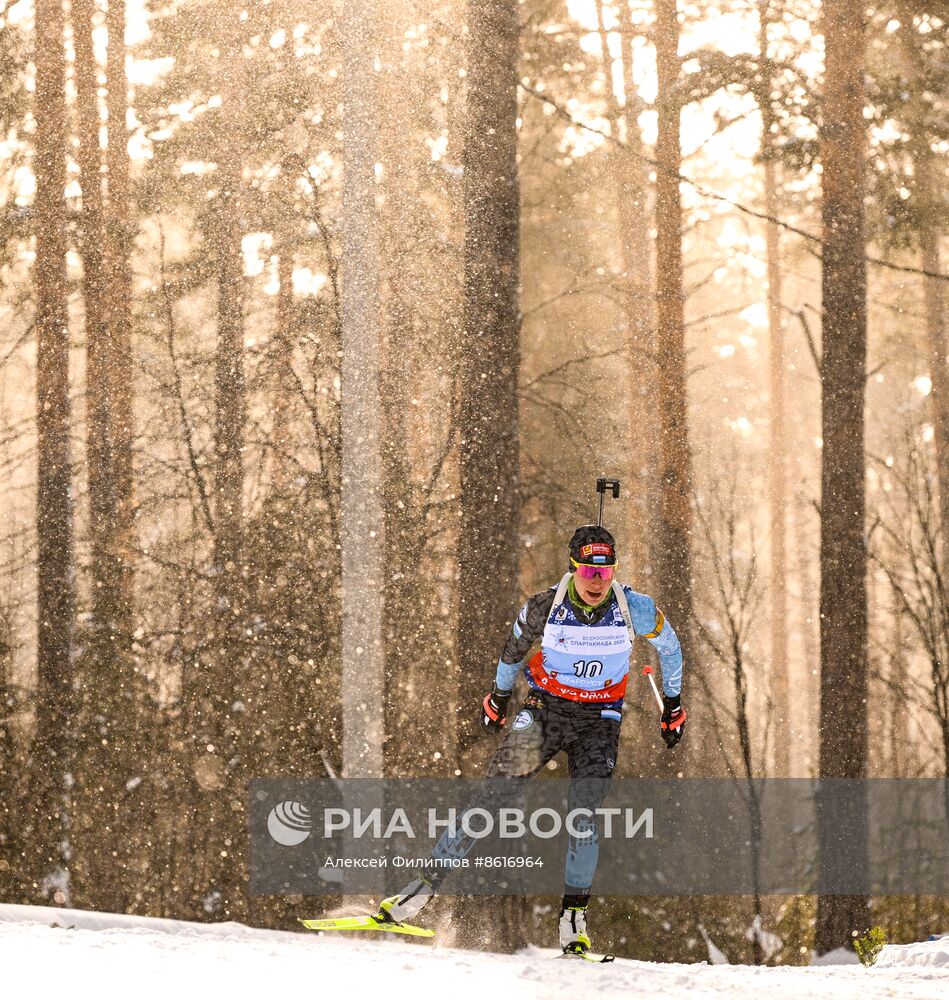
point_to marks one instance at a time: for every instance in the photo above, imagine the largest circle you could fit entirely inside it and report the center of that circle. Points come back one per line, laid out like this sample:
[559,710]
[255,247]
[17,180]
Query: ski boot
[407,903]
[574,939]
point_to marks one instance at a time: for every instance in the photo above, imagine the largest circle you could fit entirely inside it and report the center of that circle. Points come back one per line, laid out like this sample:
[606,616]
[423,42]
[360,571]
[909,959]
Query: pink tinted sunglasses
[586,571]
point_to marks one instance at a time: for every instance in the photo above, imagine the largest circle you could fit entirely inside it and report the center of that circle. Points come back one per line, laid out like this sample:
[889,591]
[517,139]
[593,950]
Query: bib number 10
[588,668]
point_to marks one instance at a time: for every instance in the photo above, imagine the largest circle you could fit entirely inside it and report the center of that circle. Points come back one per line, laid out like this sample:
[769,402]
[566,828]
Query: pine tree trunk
[108,593]
[119,243]
[102,839]
[935,306]
[843,598]
[489,457]
[809,614]
[633,224]
[897,718]
[362,524]
[674,563]
[283,437]
[102,493]
[54,508]
[229,387]
[490,453]
[777,443]
[222,702]
[925,188]
[409,686]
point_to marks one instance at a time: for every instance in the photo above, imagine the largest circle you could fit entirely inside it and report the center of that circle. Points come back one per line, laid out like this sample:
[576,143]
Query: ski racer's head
[592,562]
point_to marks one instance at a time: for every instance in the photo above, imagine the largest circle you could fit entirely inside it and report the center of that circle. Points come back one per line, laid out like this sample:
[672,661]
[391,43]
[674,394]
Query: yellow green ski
[586,956]
[365,924]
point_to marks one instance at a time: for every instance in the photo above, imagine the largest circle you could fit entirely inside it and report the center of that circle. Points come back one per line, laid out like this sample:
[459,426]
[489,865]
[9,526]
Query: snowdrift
[931,954]
[47,952]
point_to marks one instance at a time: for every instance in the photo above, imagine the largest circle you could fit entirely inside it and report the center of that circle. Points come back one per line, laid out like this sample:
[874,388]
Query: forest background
[319,322]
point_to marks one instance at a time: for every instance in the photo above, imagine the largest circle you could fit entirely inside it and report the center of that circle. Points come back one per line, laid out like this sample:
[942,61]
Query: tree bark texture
[843,597]
[362,521]
[489,457]
[103,492]
[935,307]
[54,501]
[283,436]
[230,393]
[632,220]
[104,762]
[926,194]
[411,694]
[674,537]
[119,228]
[777,438]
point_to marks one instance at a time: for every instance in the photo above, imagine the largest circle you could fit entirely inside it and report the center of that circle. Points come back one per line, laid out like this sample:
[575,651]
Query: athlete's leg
[535,736]
[591,758]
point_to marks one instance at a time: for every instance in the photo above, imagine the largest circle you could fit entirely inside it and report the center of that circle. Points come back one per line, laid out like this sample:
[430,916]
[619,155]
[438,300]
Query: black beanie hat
[592,543]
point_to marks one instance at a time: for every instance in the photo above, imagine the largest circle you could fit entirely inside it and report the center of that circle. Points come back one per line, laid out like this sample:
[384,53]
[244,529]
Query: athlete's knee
[589,791]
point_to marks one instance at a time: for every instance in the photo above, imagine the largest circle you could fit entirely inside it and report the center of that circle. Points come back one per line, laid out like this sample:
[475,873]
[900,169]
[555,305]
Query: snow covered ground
[105,956]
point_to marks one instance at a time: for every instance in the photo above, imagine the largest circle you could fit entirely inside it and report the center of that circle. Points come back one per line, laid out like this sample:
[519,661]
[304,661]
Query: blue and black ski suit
[576,686]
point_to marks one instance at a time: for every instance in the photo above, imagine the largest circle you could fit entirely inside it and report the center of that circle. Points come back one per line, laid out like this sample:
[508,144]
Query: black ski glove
[672,724]
[493,709]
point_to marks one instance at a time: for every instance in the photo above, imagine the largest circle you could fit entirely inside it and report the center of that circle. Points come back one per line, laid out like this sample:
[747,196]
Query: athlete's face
[591,591]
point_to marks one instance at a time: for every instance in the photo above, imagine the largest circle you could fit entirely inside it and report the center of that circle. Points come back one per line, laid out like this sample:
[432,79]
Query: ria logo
[289,823]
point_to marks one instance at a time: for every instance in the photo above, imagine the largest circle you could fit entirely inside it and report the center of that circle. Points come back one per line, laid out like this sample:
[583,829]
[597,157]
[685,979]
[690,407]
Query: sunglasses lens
[590,572]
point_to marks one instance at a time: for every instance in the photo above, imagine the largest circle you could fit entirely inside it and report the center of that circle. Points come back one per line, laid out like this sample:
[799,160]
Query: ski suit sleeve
[527,629]
[651,624]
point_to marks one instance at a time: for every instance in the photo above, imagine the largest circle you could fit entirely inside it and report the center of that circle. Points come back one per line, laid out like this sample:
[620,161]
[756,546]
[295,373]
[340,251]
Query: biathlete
[577,682]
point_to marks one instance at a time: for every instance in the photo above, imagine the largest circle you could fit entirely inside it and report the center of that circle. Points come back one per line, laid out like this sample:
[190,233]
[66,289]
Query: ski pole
[648,671]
